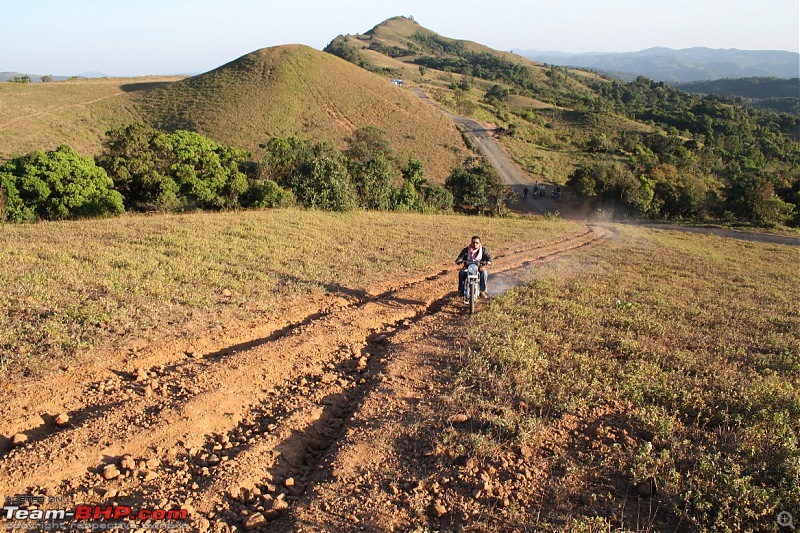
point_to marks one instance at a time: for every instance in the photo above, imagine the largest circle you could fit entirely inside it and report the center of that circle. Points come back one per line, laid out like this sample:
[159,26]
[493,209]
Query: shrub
[173,171]
[57,185]
[267,193]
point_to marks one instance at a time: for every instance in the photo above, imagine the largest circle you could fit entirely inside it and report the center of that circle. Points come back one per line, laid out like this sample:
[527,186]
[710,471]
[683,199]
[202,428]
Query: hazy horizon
[163,37]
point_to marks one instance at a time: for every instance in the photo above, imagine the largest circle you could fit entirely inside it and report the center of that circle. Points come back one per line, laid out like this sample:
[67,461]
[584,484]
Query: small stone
[459,418]
[289,482]
[19,439]
[439,510]
[226,293]
[110,472]
[61,420]
[254,520]
[128,463]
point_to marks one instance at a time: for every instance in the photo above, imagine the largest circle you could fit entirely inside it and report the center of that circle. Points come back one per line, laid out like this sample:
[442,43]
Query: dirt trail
[245,427]
[483,136]
[56,109]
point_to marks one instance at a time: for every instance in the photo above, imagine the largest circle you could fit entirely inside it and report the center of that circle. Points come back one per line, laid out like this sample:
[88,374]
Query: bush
[173,171]
[57,185]
[267,193]
[475,184]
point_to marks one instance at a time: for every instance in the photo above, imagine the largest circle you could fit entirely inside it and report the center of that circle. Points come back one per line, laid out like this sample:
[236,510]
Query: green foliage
[57,185]
[267,193]
[769,93]
[367,143]
[416,194]
[173,171]
[339,47]
[374,182]
[365,175]
[614,185]
[323,183]
[496,92]
[476,184]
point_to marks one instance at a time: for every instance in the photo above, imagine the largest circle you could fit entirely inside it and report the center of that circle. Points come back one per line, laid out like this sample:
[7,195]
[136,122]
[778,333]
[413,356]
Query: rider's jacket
[464,255]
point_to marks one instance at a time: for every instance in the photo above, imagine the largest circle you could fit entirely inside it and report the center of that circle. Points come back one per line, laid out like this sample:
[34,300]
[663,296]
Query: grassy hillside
[280,91]
[459,73]
[42,116]
[296,90]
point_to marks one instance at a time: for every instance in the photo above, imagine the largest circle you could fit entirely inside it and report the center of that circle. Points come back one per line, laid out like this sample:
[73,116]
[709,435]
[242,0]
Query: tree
[496,93]
[173,171]
[57,185]
[267,193]
[368,142]
[474,185]
[322,182]
[374,182]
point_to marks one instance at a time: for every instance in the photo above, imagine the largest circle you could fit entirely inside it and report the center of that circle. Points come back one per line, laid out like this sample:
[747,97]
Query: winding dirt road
[261,428]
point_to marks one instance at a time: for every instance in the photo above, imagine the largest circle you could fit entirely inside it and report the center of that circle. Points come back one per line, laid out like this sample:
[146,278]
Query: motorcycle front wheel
[473,296]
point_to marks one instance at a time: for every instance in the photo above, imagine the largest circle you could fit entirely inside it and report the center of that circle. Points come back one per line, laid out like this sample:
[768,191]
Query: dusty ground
[321,420]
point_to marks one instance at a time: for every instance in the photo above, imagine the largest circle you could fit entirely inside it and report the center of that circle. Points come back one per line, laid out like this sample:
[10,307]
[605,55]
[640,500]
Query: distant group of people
[540,191]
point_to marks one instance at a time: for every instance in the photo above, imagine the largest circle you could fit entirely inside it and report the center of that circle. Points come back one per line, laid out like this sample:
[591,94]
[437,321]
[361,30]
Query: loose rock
[254,520]
[111,472]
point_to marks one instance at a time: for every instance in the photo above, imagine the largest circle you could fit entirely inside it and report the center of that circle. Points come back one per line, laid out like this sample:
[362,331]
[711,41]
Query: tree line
[142,169]
[713,158]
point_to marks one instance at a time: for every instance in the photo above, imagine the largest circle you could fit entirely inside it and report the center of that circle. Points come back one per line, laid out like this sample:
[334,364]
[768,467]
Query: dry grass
[664,355]
[42,116]
[296,90]
[71,288]
[281,91]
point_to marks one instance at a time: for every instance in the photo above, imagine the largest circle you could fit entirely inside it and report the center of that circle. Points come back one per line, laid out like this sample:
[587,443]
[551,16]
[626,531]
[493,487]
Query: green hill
[295,90]
[778,94]
[640,148]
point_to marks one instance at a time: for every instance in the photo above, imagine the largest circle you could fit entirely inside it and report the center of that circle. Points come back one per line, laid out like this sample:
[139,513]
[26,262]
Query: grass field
[661,359]
[71,288]
[680,357]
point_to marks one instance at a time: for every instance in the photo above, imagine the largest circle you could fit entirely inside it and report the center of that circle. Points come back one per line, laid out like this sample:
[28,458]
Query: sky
[160,37]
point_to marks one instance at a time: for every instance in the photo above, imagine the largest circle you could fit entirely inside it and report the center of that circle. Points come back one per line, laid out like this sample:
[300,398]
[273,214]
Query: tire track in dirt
[239,429]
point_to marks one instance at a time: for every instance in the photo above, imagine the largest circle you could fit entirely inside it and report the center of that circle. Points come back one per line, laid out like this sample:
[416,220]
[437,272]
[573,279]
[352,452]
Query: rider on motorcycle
[474,252]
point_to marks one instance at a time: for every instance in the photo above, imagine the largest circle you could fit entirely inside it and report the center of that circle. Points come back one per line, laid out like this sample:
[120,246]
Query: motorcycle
[472,283]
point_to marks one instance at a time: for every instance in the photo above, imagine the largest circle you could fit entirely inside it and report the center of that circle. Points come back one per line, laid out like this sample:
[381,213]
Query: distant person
[475,252]
[525,193]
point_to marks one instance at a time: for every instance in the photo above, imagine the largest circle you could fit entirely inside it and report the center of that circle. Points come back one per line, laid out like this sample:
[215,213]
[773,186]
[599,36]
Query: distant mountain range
[678,66]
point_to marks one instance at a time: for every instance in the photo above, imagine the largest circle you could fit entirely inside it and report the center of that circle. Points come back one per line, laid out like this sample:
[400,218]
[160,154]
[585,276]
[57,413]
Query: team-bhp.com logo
[26,513]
